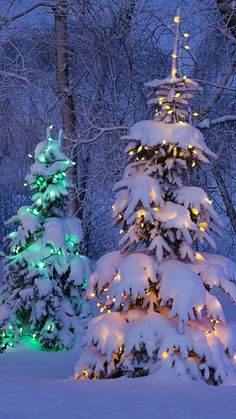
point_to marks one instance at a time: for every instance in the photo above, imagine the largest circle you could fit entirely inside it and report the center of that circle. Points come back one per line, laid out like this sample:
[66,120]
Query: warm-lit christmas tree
[44,270]
[155,293]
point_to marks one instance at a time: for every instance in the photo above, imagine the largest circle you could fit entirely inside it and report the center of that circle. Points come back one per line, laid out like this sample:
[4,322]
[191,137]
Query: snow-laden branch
[220,86]
[102,131]
[14,76]
[207,122]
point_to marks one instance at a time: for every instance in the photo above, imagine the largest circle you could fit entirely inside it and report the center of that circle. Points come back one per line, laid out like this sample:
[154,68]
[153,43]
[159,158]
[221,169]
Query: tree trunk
[228,13]
[65,96]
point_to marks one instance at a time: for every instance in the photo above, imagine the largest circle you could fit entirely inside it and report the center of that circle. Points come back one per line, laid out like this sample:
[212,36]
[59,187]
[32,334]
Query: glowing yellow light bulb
[142,213]
[202,229]
[160,102]
[85,372]
[177,19]
[184,77]
[209,201]
[170,112]
[167,107]
[181,122]
[140,148]
[186,35]
[174,55]
[165,355]
[141,225]
[98,304]
[164,142]
[193,164]
[189,146]
[121,231]
[109,311]
[101,310]
[194,211]
[155,208]
[186,47]
[177,94]
[215,332]
[131,152]
[195,114]
[117,277]
[105,289]
[198,256]
[203,225]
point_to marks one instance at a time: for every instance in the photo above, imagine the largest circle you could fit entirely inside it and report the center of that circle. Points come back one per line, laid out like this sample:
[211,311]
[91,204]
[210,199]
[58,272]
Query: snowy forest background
[114,47]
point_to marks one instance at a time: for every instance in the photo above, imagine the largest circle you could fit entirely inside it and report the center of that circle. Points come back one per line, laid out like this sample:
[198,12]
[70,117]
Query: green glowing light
[21,329]
[41,159]
[84,283]
[41,265]
[13,234]
[10,327]
[50,327]
[31,343]
[52,194]
[11,344]
[39,201]
[35,211]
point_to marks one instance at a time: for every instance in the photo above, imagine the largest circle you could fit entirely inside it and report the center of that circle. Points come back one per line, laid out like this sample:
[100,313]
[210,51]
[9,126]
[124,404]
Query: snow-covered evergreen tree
[155,293]
[44,270]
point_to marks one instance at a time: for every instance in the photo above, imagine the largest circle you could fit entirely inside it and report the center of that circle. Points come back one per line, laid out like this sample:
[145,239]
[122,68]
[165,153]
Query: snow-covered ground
[39,385]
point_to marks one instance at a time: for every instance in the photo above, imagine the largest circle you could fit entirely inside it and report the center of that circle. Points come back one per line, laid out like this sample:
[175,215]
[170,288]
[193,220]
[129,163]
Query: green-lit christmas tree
[45,273]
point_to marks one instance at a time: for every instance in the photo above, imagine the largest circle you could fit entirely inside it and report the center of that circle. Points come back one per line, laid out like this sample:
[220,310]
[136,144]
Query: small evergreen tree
[44,270]
[156,291]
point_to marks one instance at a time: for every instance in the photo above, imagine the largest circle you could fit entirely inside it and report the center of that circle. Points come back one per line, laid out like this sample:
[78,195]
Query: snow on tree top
[151,133]
[172,80]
